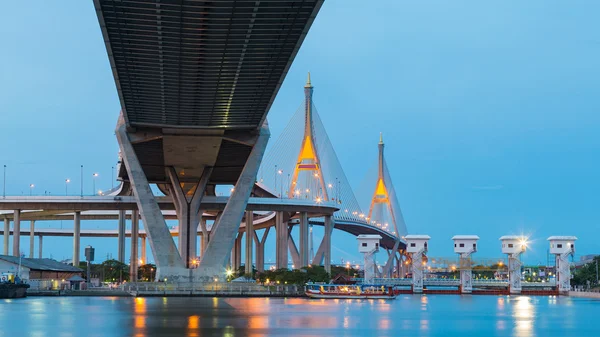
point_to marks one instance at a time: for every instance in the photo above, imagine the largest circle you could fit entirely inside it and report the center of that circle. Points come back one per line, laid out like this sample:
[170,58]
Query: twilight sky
[489,109]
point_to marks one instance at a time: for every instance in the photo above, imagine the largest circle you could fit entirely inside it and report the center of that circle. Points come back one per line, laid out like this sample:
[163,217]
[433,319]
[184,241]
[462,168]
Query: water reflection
[524,313]
[430,315]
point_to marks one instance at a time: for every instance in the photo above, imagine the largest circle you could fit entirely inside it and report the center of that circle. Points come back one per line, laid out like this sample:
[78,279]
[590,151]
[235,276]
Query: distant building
[39,273]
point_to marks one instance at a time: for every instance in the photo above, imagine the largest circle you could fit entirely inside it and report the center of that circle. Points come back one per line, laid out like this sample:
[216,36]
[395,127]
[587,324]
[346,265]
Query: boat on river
[357,291]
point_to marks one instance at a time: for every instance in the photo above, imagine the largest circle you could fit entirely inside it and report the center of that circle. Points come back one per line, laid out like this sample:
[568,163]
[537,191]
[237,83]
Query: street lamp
[31,186]
[94,176]
[67,181]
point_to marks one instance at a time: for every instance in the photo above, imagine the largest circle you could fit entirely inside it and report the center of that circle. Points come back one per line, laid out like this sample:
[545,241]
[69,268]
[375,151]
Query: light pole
[4,184]
[31,186]
[281,178]
[94,183]
[112,177]
[67,181]
[82,181]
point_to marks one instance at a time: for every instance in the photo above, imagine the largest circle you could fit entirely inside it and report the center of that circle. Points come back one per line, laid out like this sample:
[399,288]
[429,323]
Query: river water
[408,315]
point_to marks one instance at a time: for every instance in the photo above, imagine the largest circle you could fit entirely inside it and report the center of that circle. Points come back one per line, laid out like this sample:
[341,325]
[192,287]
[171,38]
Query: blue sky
[489,111]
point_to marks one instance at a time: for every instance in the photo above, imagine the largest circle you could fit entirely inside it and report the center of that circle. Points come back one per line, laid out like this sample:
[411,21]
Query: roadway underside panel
[201,64]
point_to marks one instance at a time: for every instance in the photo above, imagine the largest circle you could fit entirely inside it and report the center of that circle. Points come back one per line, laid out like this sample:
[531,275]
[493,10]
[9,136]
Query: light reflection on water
[438,315]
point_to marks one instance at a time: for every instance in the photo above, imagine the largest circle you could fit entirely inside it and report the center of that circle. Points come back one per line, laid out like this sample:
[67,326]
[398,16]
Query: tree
[147,272]
[585,274]
[115,271]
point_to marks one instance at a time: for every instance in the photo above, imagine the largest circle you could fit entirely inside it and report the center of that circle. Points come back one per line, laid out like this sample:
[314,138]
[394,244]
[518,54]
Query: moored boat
[358,291]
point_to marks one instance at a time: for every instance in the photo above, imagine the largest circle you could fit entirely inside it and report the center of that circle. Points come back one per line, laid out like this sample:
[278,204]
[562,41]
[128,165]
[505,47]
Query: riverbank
[584,294]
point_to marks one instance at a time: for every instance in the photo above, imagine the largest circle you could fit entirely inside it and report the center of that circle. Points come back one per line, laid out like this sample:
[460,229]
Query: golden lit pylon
[308,158]
[382,195]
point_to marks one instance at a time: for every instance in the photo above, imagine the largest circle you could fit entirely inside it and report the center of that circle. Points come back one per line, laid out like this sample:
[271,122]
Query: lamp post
[112,177]
[31,186]
[4,184]
[281,188]
[94,176]
[81,181]
[67,181]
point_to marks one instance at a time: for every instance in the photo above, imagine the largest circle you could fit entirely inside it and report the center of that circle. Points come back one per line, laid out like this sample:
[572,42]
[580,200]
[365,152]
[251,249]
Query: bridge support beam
[6,236]
[249,238]
[41,242]
[166,256]
[224,230]
[76,238]
[388,268]
[293,249]
[236,253]
[303,240]
[31,238]
[121,237]
[260,249]
[323,255]
[281,242]
[188,213]
[143,245]
[133,260]
[17,233]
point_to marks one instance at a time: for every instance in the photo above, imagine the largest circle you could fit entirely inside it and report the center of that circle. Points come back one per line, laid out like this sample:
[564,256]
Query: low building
[38,273]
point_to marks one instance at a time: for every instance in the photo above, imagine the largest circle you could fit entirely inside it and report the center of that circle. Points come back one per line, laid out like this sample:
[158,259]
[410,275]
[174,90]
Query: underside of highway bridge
[196,80]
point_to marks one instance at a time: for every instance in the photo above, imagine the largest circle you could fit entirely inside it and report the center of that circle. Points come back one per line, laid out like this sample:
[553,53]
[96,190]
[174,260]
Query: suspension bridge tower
[384,211]
[308,162]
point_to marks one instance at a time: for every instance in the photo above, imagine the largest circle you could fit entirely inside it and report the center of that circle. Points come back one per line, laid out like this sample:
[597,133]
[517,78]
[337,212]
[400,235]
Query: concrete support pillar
[389,265]
[224,230]
[260,249]
[121,237]
[237,256]
[76,234]
[40,254]
[188,213]
[249,239]
[205,235]
[303,241]
[6,236]
[31,238]
[168,261]
[296,263]
[281,242]
[323,256]
[17,233]
[144,259]
[329,224]
[133,264]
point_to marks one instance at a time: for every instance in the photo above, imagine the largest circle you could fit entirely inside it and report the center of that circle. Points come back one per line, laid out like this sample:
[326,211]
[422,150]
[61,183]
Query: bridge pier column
[121,237]
[281,242]
[17,233]
[260,250]
[31,238]
[76,237]
[323,256]
[303,240]
[389,265]
[133,263]
[249,238]
[40,247]
[224,230]
[143,245]
[166,256]
[188,213]
[6,236]
[205,235]
[296,262]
